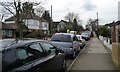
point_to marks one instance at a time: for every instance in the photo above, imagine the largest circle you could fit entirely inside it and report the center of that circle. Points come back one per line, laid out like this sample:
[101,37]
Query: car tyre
[64,68]
[74,55]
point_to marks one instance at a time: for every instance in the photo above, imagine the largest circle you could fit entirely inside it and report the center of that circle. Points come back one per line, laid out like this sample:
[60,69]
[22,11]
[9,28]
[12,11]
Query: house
[32,22]
[115,31]
[62,24]
[54,26]
[7,30]
[116,43]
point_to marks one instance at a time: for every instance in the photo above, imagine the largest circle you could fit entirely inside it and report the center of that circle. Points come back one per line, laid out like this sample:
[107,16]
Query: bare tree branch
[10,11]
[71,16]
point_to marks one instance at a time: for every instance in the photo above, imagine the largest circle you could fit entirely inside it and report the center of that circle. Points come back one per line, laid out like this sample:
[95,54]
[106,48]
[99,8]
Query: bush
[104,32]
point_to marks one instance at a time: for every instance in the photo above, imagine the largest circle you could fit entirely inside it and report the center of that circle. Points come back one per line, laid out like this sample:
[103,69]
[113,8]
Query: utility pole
[97,19]
[97,26]
[51,21]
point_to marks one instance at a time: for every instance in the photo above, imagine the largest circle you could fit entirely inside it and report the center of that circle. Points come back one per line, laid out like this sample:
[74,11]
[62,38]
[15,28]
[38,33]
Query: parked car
[67,51]
[32,56]
[68,43]
[9,42]
[85,36]
[81,41]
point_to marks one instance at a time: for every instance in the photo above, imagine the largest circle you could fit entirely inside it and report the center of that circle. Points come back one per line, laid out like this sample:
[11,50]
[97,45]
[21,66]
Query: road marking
[78,56]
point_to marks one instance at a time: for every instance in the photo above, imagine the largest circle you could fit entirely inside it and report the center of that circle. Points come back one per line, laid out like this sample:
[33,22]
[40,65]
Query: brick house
[7,30]
[115,32]
[32,22]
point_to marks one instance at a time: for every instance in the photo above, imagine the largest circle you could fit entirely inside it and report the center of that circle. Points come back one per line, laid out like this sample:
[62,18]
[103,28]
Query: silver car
[66,40]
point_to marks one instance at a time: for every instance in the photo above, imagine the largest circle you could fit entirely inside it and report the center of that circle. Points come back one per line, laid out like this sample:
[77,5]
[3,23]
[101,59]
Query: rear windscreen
[61,38]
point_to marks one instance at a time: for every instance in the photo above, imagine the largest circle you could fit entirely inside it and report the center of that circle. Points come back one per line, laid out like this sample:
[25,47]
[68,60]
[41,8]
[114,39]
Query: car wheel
[74,55]
[81,47]
[64,66]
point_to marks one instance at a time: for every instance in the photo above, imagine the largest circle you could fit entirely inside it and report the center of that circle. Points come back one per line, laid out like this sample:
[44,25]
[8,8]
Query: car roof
[78,35]
[64,34]
[22,44]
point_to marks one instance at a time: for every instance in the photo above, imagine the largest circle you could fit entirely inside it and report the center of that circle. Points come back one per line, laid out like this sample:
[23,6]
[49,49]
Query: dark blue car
[32,56]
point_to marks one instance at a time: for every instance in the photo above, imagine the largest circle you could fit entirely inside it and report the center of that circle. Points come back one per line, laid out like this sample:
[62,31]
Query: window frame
[51,45]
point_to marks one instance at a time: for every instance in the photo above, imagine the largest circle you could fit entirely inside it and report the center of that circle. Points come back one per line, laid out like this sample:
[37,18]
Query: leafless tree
[92,23]
[15,8]
[71,16]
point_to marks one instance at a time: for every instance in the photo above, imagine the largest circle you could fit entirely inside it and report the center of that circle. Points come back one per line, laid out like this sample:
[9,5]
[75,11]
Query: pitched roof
[26,16]
[56,23]
[64,21]
[117,23]
[110,24]
[113,24]
[8,26]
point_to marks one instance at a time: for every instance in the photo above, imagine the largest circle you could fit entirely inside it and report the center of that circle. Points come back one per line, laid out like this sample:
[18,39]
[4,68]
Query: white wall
[35,24]
[45,26]
[107,44]
[10,22]
[32,24]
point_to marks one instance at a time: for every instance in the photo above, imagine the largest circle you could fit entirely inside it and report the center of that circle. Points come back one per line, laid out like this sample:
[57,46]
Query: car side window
[48,48]
[36,47]
[35,51]
[22,56]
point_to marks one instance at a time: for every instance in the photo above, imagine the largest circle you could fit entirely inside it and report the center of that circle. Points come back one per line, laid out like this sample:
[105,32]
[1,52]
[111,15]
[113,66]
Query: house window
[1,32]
[7,32]
[10,33]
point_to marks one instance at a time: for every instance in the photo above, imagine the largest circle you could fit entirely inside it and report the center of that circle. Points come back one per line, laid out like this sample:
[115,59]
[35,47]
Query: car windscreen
[61,38]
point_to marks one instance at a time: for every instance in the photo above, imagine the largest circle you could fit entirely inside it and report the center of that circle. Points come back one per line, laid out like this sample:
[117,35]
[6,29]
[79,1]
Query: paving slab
[94,57]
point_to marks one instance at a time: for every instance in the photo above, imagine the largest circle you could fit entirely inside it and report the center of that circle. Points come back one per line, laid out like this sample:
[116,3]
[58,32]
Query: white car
[82,41]
[85,36]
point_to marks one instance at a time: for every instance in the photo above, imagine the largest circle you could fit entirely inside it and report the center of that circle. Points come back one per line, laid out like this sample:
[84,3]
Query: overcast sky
[107,9]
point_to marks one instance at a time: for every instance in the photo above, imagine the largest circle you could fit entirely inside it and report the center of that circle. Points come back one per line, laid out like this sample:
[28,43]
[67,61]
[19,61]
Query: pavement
[94,58]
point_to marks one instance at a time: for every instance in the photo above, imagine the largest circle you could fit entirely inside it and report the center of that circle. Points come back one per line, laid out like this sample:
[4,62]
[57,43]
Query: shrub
[104,32]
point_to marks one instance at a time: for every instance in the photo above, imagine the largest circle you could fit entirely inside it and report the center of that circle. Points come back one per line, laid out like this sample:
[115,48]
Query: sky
[107,9]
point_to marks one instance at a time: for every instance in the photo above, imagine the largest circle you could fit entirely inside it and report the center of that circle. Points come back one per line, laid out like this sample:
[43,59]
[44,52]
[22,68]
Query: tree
[27,7]
[16,9]
[71,16]
[74,19]
[75,25]
[46,16]
[92,23]
[104,32]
